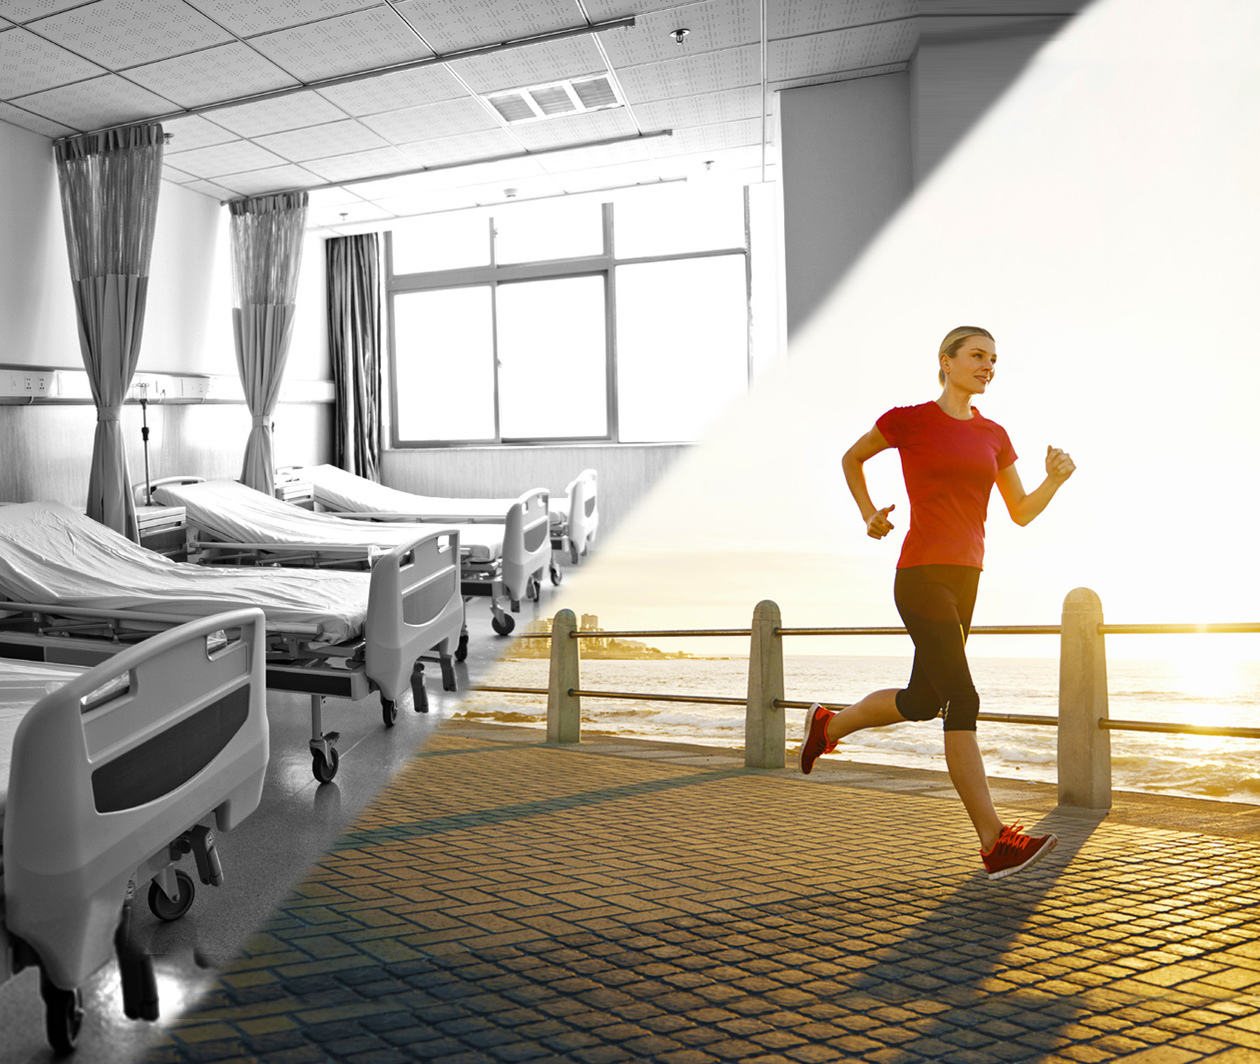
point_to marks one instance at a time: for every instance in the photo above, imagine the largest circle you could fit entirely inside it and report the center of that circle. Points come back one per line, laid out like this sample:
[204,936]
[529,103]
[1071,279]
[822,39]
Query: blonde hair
[953,341]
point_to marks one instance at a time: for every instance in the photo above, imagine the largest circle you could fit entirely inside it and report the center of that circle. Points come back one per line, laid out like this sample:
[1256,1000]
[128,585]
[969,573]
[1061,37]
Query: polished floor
[295,823]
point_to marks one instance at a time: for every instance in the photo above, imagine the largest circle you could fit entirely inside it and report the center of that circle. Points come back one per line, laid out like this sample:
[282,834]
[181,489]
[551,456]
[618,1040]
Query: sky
[1102,221]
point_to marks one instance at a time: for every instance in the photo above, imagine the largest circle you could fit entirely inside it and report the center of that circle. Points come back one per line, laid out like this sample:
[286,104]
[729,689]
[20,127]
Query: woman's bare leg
[966,771]
[873,711]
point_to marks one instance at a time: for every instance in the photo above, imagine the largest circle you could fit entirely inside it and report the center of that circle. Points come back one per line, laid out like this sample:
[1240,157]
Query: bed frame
[114,776]
[414,606]
[515,575]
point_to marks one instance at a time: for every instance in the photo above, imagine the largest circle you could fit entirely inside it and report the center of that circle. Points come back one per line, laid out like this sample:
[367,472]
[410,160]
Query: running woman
[951,456]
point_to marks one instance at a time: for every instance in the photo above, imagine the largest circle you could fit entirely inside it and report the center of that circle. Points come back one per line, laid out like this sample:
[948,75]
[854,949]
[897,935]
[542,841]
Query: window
[552,359]
[625,322]
[682,338]
[444,365]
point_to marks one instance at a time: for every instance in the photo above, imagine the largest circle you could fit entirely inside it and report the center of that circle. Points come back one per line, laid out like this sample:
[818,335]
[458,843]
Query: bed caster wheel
[556,576]
[573,553]
[448,674]
[63,1015]
[533,590]
[389,711]
[323,768]
[461,651]
[516,603]
[502,625]
[419,693]
[165,908]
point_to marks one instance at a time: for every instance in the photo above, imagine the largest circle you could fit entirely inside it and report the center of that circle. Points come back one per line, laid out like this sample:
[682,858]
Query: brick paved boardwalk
[504,900]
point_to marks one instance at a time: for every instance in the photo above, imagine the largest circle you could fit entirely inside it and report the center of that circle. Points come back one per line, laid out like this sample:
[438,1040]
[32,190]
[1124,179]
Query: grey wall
[954,80]
[853,151]
[846,168]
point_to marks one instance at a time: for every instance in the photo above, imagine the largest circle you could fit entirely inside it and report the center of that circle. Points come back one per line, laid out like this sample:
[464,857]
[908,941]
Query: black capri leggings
[935,603]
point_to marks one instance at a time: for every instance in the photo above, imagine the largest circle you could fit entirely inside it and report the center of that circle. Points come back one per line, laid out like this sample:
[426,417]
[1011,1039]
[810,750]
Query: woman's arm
[877,523]
[1024,506]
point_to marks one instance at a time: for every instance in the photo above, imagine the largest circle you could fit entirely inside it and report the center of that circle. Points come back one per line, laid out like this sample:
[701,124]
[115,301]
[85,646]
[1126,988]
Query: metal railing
[1083,723]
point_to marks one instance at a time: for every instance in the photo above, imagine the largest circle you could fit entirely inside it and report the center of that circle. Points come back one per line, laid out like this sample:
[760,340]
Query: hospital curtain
[354,344]
[109,195]
[266,258]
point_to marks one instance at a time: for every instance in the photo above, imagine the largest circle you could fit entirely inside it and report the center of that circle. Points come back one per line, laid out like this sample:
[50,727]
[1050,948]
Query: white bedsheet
[52,554]
[341,490]
[230,511]
[22,684]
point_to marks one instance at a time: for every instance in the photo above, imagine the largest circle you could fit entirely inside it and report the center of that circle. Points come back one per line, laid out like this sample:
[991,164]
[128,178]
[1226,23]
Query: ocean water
[1198,766]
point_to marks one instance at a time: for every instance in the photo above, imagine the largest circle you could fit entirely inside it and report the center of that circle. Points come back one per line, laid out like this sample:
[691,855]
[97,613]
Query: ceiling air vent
[556,98]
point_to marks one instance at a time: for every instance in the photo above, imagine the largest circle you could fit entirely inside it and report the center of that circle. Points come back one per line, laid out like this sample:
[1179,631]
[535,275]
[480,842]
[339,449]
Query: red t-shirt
[950,467]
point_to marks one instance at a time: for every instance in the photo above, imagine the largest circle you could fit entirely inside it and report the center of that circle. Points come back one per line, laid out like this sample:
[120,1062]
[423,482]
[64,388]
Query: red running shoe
[1015,851]
[814,743]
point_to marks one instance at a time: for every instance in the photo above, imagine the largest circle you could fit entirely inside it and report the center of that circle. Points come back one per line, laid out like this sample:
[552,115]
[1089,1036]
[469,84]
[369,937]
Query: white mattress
[230,511]
[52,554]
[22,684]
[340,490]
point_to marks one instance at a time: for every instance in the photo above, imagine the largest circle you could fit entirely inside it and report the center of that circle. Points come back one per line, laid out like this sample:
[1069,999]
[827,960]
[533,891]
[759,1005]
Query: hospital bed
[328,633]
[234,523]
[573,520]
[110,774]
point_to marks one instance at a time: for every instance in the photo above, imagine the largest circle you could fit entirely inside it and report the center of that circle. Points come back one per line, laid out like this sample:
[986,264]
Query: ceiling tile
[96,103]
[532,64]
[389,92]
[602,10]
[713,26]
[178,177]
[272,116]
[360,164]
[23,10]
[840,50]
[575,129]
[711,138]
[227,71]
[599,155]
[613,176]
[393,187]
[833,78]
[191,132]
[233,157]
[209,188]
[248,17]
[331,197]
[796,18]
[343,45]
[432,121]
[447,27]
[122,33]
[29,64]
[448,150]
[15,116]
[271,179]
[319,142]
[692,75]
[345,214]
[702,110]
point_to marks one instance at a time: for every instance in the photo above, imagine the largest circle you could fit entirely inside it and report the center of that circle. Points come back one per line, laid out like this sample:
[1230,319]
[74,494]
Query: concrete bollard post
[764,735]
[564,711]
[1084,747]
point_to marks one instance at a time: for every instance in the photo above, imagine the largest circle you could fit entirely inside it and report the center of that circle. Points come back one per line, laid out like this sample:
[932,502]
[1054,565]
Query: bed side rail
[114,766]
[414,605]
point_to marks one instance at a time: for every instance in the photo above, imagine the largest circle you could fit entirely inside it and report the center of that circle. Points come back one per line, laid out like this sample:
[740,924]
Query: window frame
[494,274]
